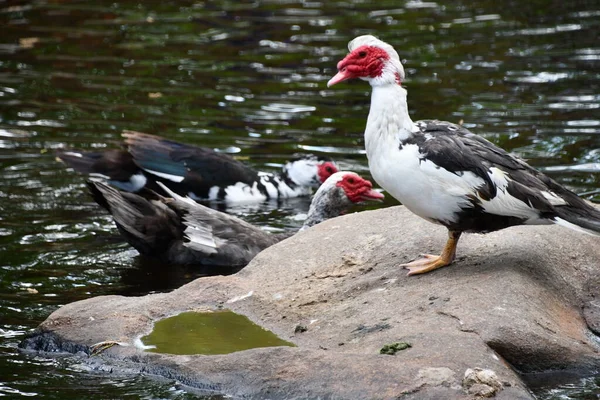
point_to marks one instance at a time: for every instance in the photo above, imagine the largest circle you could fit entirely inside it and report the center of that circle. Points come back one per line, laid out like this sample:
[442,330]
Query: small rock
[481,390]
[481,382]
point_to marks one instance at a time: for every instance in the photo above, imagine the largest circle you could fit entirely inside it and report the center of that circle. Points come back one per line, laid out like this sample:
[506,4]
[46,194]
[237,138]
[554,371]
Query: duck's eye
[329,169]
[362,54]
[351,180]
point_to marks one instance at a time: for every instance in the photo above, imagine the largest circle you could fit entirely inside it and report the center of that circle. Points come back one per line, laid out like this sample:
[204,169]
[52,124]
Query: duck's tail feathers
[584,220]
[127,209]
[114,166]
[145,224]
[97,190]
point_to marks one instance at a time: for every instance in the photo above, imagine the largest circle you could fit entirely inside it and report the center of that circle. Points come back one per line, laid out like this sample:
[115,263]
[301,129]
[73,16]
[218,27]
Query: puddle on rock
[218,332]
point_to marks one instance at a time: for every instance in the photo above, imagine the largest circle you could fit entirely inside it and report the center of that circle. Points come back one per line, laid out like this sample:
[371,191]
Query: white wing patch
[173,178]
[201,238]
[567,224]
[499,178]
[135,183]
[554,199]
[213,193]
[241,192]
[73,154]
[506,204]
[99,175]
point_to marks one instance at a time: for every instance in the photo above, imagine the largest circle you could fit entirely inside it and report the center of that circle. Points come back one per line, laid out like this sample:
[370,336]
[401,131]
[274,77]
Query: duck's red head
[369,59]
[325,170]
[357,189]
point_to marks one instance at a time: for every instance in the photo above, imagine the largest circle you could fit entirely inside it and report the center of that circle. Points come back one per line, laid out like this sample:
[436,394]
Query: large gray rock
[522,298]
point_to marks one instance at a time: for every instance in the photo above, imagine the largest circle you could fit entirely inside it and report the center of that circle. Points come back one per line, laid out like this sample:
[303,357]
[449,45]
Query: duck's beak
[341,76]
[372,195]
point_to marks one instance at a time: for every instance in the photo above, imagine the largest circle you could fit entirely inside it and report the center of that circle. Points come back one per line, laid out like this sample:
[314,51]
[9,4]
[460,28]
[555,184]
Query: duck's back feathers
[505,190]
[181,166]
[180,231]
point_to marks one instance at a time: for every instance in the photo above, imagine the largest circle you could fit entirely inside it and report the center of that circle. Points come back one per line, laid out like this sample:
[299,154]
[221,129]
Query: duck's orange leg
[430,262]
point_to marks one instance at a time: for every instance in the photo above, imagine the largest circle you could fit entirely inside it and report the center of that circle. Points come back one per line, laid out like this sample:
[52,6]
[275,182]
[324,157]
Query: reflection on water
[249,78]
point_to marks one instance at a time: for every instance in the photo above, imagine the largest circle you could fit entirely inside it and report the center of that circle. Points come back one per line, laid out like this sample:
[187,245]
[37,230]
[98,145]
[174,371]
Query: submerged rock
[521,298]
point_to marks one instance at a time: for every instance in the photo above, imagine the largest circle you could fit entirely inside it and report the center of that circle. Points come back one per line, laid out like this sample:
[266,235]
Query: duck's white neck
[388,118]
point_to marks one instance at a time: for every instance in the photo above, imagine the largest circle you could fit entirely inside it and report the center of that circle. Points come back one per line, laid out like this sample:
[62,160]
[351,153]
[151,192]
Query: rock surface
[523,298]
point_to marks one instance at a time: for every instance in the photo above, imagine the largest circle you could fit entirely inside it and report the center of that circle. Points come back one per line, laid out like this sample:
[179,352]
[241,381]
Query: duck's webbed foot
[430,262]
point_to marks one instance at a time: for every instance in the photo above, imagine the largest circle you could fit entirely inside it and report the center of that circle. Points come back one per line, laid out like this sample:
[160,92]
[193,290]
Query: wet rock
[519,299]
[48,342]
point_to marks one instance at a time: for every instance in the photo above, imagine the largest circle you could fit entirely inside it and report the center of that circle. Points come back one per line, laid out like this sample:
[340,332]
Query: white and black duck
[200,173]
[444,173]
[180,231]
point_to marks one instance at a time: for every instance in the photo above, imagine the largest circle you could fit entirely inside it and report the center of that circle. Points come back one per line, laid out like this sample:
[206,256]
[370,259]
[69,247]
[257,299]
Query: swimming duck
[178,230]
[197,172]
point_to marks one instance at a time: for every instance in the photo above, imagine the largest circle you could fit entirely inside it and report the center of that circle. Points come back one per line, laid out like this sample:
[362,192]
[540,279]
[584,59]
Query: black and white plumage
[443,172]
[201,173]
[180,231]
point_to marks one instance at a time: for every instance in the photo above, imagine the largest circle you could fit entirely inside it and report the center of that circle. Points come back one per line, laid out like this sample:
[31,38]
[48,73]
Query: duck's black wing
[459,151]
[185,168]
[180,231]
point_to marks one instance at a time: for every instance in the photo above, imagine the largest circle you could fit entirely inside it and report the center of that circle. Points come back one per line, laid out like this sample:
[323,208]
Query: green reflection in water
[219,332]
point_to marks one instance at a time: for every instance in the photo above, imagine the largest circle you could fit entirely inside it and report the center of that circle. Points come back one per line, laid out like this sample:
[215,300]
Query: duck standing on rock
[201,173]
[444,173]
[181,231]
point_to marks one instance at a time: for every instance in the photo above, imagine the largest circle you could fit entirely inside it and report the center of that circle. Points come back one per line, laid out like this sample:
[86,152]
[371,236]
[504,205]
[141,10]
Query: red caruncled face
[363,62]
[325,170]
[358,189]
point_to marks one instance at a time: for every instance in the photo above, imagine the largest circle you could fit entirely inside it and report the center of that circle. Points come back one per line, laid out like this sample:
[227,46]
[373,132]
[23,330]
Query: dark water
[249,78]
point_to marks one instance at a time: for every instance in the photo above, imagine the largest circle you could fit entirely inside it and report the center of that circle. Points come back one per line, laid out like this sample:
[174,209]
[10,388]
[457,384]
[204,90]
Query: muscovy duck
[444,173]
[201,173]
[178,230]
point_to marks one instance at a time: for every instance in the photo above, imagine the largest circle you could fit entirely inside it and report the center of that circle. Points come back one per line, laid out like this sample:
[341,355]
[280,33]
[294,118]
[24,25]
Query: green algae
[219,332]
[393,348]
